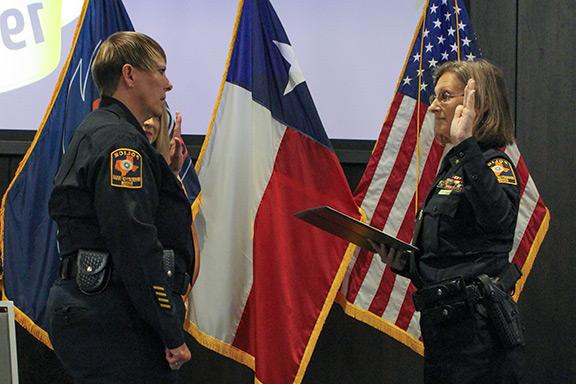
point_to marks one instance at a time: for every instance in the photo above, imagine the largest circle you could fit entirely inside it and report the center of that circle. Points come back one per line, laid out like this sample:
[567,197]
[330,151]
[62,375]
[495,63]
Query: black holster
[502,312]
[93,270]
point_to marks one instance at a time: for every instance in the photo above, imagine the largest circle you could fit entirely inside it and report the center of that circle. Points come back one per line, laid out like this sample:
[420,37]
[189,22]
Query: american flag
[403,165]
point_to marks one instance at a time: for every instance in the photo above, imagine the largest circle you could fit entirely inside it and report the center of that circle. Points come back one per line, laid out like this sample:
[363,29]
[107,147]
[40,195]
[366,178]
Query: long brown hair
[493,125]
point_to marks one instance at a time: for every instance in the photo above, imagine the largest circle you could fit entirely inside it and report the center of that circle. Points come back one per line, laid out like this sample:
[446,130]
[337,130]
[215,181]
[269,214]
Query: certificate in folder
[348,228]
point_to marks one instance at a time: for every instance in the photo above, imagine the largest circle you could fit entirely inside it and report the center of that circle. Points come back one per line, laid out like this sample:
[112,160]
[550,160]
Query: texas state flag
[267,280]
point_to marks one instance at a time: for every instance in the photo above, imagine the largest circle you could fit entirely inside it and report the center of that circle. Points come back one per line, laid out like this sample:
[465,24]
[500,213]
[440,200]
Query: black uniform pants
[467,351]
[100,339]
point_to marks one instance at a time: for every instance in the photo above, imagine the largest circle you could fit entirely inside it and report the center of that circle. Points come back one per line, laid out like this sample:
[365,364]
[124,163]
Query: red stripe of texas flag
[294,264]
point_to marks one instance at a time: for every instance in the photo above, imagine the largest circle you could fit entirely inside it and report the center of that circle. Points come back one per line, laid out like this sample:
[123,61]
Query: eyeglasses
[444,97]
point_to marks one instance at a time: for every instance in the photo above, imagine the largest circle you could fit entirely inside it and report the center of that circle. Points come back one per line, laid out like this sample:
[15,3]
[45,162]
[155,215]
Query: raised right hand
[178,150]
[462,126]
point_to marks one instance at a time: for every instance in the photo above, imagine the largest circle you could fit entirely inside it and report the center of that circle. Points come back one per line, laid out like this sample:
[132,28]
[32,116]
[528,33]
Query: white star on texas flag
[295,75]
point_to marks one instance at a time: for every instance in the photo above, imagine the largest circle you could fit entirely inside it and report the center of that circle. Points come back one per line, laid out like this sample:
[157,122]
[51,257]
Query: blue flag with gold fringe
[28,243]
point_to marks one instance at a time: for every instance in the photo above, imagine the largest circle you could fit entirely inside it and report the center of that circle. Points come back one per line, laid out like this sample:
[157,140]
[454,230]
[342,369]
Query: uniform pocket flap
[442,205]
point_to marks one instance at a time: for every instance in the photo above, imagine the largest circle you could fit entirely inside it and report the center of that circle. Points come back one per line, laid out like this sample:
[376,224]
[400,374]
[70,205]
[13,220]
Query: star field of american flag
[444,26]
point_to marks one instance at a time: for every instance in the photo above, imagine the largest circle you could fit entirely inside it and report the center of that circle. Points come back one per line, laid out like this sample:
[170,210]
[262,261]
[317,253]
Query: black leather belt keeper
[68,267]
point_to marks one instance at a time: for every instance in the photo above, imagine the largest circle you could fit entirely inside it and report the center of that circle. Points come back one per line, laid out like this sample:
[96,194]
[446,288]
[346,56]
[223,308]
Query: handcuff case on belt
[93,270]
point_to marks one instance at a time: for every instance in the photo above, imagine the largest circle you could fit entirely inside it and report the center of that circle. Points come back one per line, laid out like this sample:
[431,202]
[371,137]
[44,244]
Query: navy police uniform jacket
[115,193]
[466,227]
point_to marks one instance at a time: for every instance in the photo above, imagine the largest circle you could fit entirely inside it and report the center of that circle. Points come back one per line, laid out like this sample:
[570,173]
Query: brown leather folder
[348,228]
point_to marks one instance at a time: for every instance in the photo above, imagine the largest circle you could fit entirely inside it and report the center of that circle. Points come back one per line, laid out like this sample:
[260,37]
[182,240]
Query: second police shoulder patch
[503,171]
[126,168]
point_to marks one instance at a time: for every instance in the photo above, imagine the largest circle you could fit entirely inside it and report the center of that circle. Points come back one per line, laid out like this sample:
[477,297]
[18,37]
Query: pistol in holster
[502,310]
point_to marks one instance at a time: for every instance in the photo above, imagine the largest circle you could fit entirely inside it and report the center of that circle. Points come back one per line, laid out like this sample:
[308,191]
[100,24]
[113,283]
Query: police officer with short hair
[469,322]
[116,312]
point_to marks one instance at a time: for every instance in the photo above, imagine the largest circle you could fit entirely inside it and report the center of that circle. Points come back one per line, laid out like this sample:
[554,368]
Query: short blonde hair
[493,123]
[122,48]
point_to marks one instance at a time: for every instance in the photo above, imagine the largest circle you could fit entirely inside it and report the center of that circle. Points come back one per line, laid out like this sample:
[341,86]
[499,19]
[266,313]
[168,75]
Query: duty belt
[455,298]
[69,268]
[447,291]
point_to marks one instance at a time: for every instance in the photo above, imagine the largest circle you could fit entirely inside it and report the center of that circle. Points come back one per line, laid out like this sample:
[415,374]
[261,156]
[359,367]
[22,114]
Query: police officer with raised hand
[470,324]
[116,312]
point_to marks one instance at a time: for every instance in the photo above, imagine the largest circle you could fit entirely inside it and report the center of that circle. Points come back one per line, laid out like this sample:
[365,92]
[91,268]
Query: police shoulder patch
[503,171]
[126,168]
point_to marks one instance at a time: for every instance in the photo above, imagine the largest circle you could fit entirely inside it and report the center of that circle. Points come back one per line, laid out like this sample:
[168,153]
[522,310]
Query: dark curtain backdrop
[534,43]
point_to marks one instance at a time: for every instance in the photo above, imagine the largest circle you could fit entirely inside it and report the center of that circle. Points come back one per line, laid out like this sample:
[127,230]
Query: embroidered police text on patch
[126,168]
[503,171]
